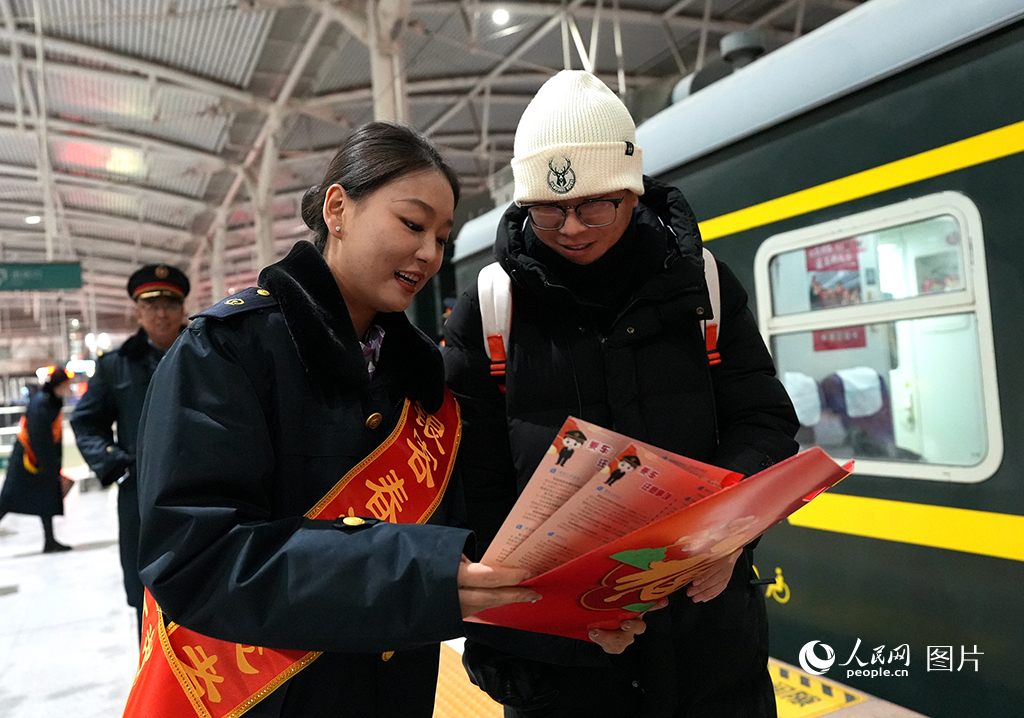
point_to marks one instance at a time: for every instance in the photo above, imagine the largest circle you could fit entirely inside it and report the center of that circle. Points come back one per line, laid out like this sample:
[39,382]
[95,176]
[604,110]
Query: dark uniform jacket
[627,354]
[254,414]
[37,494]
[115,396]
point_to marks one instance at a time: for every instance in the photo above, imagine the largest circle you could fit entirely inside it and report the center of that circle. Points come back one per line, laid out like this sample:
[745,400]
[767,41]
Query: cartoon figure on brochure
[572,440]
[646,575]
[625,465]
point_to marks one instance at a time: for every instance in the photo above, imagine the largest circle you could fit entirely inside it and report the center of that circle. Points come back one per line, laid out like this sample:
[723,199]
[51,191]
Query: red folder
[628,575]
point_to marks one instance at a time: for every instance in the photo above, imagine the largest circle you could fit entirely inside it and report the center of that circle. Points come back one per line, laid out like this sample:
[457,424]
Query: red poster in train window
[833,256]
[841,338]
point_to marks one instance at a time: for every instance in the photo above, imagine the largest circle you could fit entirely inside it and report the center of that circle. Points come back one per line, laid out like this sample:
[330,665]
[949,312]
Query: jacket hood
[318,321]
[662,209]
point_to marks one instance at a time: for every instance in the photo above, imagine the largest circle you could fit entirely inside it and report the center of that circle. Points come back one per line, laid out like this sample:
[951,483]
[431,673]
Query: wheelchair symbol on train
[777,587]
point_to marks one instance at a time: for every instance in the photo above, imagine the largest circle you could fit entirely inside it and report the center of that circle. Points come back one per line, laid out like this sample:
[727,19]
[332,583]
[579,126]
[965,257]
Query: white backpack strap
[494,289]
[714,292]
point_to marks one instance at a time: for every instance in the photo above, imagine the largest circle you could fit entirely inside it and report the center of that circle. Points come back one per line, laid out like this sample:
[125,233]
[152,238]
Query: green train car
[866,184]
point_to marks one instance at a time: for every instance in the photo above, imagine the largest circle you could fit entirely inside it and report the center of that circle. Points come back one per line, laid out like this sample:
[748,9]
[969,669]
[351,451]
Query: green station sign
[51,275]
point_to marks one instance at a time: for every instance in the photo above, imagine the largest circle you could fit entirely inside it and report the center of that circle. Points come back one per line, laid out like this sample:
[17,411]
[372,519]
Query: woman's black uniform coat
[258,409]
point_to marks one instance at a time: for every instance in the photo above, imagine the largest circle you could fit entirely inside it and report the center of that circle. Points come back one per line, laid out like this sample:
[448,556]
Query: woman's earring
[337,228]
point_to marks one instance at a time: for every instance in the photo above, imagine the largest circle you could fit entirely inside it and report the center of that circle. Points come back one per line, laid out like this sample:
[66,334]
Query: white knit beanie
[575,139]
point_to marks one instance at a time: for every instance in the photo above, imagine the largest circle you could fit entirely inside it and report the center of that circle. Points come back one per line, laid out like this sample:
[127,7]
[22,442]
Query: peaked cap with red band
[158,280]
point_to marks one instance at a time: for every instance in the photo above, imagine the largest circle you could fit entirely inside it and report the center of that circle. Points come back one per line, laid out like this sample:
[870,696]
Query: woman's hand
[616,641]
[713,580]
[482,587]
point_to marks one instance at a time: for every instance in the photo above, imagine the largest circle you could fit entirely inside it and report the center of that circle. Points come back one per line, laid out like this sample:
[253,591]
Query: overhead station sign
[51,275]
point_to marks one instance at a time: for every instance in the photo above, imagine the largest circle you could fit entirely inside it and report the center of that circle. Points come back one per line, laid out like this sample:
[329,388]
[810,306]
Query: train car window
[871,267]
[880,327]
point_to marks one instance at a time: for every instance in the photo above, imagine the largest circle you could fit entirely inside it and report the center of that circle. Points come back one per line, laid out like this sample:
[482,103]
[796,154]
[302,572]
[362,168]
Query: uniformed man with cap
[115,397]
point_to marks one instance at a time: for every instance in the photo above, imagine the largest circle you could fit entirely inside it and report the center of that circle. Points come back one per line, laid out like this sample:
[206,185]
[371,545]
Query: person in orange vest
[34,484]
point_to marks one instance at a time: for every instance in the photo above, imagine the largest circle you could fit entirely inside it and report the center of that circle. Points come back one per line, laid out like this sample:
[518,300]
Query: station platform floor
[68,644]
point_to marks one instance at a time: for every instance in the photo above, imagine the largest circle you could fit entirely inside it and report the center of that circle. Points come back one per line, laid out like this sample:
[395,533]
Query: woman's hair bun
[312,213]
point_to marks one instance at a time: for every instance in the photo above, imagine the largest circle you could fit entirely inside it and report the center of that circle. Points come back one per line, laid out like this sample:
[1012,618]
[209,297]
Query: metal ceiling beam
[66,179]
[628,15]
[478,87]
[15,60]
[90,248]
[140,192]
[387,74]
[83,132]
[44,163]
[416,88]
[137,66]
[271,122]
[106,218]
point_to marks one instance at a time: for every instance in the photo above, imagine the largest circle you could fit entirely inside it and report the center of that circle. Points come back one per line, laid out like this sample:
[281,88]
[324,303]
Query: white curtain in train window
[907,390]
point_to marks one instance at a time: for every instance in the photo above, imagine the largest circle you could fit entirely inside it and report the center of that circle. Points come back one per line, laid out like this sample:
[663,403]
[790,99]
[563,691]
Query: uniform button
[636,684]
[373,420]
[630,330]
[110,449]
[700,311]
[353,521]
[263,292]
[386,655]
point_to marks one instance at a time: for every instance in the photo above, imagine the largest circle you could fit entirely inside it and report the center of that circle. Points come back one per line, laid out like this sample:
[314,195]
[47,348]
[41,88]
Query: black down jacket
[641,370]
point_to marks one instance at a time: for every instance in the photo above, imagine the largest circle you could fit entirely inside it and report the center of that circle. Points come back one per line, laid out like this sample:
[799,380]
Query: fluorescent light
[500,16]
[34,219]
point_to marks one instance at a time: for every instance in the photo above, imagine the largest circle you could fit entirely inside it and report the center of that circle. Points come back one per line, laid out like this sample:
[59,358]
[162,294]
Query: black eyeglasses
[598,212]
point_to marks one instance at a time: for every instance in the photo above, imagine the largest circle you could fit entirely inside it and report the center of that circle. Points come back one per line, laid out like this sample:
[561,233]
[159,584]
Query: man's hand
[482,587]
[713,580]
[616,641]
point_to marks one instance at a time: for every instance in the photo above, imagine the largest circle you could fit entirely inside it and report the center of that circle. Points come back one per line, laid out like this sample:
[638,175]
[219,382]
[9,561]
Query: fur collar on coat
[319,324]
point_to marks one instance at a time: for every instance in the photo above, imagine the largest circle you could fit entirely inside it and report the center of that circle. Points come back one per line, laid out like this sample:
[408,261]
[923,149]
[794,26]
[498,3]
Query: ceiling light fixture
[500,16]
[34,219]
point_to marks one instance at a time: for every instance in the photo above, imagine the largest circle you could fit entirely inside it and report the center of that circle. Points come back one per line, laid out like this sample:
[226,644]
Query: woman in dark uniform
[312,390]
[33,484]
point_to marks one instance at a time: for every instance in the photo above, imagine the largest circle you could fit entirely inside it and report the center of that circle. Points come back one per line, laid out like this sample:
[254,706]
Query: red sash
[183,673]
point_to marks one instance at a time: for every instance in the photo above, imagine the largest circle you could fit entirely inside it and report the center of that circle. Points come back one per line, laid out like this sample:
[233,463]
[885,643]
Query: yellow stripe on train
[932,163]
[980,532]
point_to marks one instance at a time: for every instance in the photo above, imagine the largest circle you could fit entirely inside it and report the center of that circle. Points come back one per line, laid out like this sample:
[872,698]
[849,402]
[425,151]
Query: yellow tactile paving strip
[797,694]
[456,697]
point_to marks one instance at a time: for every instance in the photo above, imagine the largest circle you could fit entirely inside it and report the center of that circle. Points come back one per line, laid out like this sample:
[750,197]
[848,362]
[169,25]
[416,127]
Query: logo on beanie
[561,180]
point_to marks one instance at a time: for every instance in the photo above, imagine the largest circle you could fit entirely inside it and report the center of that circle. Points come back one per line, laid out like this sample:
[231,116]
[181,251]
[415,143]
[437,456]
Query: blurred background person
[34,483]
[115,396]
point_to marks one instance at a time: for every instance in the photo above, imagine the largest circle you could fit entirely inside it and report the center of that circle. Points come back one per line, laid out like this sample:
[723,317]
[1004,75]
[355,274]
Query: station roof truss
[186,131]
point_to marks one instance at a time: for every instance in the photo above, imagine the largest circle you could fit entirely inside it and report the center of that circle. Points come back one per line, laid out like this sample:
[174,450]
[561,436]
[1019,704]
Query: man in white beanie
[609,301]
